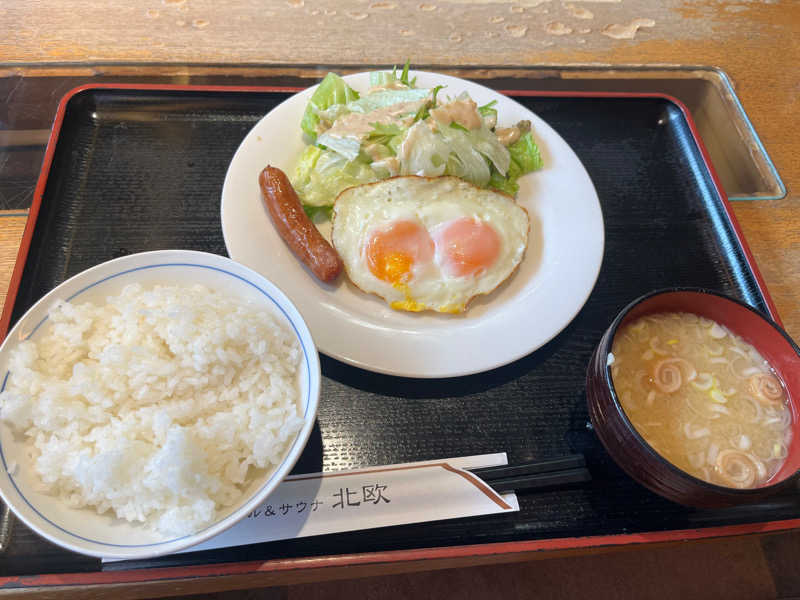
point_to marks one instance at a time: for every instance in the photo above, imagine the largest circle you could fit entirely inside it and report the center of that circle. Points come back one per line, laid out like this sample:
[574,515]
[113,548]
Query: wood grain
[757,43]
[703,555]
[11,227]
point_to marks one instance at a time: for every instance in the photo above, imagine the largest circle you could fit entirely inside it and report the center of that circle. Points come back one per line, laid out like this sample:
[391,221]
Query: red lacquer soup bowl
[634,454]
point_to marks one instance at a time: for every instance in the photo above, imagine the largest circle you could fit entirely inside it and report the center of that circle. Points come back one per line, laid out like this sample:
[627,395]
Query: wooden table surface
[756,42]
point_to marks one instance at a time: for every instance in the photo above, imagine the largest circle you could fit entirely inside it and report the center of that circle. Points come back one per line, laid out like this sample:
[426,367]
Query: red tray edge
[502,548]
[506,549]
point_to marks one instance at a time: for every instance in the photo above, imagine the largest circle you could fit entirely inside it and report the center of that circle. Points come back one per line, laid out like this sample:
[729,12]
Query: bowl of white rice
[150,402]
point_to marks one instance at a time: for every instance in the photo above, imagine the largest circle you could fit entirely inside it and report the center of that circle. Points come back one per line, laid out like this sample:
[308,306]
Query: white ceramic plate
[553,282]
[83,530]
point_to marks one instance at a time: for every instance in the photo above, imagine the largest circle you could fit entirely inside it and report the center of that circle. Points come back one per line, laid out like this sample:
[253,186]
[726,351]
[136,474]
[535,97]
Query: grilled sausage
[294,226]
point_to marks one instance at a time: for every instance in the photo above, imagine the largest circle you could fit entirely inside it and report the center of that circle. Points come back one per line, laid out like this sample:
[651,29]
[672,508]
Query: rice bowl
[54,509]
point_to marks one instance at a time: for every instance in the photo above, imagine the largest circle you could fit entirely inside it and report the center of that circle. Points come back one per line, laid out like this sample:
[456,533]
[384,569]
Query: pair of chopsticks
[541,474]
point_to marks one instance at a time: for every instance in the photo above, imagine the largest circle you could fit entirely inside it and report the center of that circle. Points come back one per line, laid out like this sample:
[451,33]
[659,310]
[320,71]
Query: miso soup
[703,398]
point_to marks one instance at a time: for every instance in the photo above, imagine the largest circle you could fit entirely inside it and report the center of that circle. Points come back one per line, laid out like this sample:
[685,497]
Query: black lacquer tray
[135,168]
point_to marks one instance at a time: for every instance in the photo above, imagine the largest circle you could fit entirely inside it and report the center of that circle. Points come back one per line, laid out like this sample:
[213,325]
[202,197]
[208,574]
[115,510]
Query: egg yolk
[467,247]
[393,251]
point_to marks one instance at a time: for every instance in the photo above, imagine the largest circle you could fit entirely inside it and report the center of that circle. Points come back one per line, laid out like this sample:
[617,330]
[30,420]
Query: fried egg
[428,243]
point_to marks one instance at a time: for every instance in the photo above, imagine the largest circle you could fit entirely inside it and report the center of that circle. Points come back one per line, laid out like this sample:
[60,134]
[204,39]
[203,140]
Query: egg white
[433,202]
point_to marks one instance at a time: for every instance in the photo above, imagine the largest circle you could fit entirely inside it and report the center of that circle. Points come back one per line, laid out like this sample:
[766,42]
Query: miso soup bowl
[629,449]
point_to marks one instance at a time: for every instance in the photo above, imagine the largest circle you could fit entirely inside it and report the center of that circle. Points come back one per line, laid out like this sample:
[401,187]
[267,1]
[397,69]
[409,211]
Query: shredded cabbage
[525,158]
[322,174]
[465,161]
[485,141]
[403,140]
[384,98]
[332,90]
[423,152]
[348,147]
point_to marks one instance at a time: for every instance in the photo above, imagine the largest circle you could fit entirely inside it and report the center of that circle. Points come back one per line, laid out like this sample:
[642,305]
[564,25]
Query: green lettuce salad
[397,128]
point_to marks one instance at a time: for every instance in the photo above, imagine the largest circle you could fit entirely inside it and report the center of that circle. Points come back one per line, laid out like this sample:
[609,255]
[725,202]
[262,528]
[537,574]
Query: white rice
[162,405]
